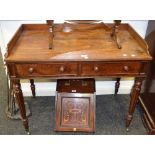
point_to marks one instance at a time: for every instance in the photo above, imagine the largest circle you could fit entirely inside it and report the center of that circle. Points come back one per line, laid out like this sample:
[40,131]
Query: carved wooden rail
[115,32]
[51,34]
[97,24]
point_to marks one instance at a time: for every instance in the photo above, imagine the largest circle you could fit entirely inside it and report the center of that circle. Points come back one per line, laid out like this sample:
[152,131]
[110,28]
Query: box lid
[76,85]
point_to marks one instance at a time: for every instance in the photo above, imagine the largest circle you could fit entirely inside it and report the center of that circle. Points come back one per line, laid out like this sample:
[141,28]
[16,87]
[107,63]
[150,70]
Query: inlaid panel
[75,111]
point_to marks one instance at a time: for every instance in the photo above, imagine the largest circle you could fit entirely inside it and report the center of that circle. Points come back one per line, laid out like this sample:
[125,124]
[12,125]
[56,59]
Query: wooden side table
[89,52]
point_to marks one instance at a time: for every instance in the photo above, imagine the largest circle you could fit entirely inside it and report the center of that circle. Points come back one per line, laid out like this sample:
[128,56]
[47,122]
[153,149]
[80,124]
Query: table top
[93,43]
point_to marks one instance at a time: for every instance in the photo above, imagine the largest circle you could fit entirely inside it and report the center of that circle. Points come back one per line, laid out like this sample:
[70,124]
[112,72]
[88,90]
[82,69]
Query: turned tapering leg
[32,88]
[134,98]
[20,101]
[117,84]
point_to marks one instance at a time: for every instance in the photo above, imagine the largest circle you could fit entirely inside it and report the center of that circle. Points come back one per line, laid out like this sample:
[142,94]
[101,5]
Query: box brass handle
[31,70]
[62,68]
[96,69]
[126,68]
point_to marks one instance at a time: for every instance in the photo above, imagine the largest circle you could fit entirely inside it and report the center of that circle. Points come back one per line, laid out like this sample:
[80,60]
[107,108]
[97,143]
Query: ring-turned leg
[134,98]
[117,84]
[32,87]
[20,101]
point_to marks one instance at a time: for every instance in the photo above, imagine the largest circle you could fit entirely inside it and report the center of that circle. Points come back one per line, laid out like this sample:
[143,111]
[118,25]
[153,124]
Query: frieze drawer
[100,69]
[54,69]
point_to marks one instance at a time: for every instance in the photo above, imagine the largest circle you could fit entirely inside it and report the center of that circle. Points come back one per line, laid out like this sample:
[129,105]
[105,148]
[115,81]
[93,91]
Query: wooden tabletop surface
[94,44]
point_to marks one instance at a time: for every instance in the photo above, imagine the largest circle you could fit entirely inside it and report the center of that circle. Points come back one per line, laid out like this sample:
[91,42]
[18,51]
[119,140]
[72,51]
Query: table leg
[32,87]
[20,101]
[117,84]
[134,99]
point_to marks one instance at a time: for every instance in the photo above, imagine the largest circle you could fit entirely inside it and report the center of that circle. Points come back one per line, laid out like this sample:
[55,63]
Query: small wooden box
[75,105]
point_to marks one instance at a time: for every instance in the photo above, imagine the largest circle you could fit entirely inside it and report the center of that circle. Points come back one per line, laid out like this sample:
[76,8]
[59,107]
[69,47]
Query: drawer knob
[62,69]
[31,70]
[96,69]
[126,68]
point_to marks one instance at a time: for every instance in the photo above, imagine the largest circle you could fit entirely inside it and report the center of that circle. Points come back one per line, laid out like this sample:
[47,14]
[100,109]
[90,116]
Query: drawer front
[75,112]
[100,69]
[39,70]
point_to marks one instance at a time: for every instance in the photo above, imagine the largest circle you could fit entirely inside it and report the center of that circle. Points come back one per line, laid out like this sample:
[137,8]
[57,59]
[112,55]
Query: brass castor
[127,129]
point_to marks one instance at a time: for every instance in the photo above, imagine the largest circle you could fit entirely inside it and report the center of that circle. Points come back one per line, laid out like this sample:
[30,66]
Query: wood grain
[96,45]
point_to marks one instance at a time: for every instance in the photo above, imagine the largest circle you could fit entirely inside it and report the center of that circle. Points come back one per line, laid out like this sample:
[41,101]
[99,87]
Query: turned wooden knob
[31,70]
[96,69]
[126,68]
[62,68]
